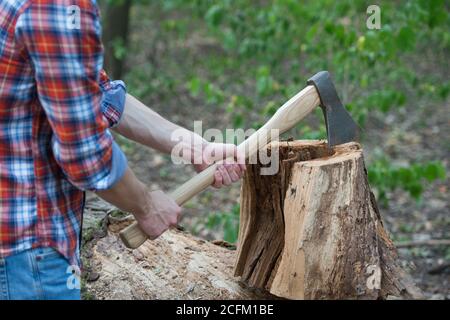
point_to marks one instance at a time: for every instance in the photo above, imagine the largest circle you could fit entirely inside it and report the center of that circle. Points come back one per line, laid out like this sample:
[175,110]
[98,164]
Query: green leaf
[194,86]
[214,15]
[406,38]
[119,48]
[434,171]
[238,120]
[415,190]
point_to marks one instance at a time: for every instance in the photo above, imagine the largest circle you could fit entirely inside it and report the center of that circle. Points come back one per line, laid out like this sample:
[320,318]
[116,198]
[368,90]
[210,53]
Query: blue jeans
[37,274]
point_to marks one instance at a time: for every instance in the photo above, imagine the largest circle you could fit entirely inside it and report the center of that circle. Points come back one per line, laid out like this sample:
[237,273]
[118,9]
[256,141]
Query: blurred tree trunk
[116,15]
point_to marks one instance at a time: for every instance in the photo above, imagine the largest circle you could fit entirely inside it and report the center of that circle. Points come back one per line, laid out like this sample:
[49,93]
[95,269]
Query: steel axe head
[340,126]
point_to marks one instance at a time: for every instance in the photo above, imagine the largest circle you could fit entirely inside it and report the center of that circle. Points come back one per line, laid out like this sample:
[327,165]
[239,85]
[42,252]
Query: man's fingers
[238,169]
[230,163]
[177,216]
[226,174]
[231,169]
[226,179]
[217,180]
[241,170]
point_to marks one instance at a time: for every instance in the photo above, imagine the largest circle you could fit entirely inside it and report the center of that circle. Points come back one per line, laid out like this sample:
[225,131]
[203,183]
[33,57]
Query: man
[56,108]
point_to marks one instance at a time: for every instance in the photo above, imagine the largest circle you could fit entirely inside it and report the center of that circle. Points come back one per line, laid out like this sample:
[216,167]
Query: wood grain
[313,231]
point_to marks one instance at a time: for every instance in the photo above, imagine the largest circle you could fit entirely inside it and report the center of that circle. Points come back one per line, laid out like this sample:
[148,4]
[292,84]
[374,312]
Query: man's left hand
[230,170]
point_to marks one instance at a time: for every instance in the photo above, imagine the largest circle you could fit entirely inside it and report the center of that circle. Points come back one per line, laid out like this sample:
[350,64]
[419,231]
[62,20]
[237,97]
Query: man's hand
[231,170]
[154,210]
[159,214]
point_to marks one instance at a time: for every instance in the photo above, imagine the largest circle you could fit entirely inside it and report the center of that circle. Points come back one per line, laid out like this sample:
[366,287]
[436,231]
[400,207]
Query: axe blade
[340,126]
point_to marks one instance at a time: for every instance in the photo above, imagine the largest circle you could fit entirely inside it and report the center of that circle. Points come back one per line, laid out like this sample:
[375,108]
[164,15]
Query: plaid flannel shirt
[56,106]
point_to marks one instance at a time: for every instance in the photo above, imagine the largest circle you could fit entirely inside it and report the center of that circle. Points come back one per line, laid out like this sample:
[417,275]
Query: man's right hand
[154,210]
[160,212]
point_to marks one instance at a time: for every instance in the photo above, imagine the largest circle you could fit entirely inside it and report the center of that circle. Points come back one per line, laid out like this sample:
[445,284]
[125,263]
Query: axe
[320,91]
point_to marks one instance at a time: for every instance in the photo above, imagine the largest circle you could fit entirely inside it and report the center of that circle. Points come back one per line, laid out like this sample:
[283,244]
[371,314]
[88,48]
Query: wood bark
[175,266]
[313,230]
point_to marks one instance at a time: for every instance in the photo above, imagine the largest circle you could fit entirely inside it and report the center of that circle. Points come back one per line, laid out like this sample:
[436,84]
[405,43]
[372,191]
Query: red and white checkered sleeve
[64,44]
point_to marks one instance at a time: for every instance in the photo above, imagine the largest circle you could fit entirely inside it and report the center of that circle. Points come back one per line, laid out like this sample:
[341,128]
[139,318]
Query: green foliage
[211,93]
[447,253]
[226,221]
[277,44]
[119,49]
[386,177]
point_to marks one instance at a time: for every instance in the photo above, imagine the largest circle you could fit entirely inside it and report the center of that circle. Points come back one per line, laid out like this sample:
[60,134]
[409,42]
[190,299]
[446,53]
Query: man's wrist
[143,207]
[197,149]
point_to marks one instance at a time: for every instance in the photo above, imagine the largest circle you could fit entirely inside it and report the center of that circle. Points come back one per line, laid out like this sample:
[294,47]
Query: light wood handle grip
[284,119]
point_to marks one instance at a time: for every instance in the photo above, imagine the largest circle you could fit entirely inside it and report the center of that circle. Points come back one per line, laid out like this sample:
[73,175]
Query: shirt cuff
[113,101]
[118,165]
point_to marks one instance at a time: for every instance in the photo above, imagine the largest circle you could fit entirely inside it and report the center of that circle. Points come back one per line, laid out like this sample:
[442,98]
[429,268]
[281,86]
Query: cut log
[313,230]
[175,266]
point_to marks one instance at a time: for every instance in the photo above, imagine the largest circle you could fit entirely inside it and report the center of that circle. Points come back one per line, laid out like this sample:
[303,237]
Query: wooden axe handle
[284,119]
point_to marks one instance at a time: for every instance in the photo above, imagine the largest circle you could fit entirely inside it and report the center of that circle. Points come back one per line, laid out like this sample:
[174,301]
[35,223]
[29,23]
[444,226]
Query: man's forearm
[143,125]
[128,194]
[154,210]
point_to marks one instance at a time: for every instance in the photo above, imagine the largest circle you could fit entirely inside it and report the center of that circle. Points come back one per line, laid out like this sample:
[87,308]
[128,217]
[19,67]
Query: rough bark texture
[313,231]
[175,266]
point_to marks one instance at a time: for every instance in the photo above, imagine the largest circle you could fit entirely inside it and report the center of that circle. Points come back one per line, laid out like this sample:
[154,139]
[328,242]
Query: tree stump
[313,230]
